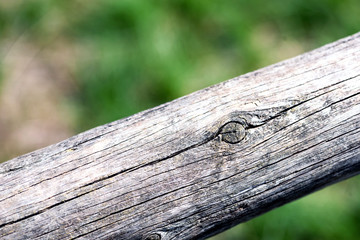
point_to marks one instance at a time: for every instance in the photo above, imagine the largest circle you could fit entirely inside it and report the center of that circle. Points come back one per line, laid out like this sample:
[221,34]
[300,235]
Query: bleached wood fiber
[180,171]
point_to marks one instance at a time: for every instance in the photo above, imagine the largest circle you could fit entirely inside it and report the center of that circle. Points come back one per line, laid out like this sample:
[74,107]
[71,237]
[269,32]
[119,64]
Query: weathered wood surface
[174,171]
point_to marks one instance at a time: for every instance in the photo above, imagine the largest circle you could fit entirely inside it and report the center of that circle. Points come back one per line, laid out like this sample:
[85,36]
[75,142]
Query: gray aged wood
[180,171]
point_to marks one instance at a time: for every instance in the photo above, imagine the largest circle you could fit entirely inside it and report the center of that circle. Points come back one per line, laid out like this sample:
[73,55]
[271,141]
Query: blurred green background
[67,66]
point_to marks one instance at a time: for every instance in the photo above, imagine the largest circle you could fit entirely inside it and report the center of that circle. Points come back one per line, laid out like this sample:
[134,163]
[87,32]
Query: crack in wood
[232,132]
[197,165]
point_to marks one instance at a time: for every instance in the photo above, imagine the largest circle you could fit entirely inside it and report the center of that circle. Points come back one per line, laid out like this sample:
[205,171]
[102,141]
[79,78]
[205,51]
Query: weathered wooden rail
[197,165]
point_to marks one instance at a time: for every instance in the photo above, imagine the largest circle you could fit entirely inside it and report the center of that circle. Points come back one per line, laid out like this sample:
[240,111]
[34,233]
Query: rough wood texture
[182,171]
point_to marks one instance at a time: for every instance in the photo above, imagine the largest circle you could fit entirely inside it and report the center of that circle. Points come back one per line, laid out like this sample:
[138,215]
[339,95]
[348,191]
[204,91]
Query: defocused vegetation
[138,54]
[147,52]
[143,53]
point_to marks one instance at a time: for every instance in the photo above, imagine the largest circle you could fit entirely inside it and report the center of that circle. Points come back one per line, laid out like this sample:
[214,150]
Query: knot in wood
[232,132]
[153,236]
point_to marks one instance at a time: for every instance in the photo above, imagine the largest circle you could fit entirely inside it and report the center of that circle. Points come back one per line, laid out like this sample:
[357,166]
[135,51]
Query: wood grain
[181,171]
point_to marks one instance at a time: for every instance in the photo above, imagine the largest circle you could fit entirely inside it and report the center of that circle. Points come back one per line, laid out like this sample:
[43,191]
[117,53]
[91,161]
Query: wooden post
[200,164]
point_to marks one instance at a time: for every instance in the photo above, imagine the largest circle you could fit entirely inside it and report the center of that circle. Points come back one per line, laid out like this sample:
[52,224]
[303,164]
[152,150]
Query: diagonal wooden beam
[200,164]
